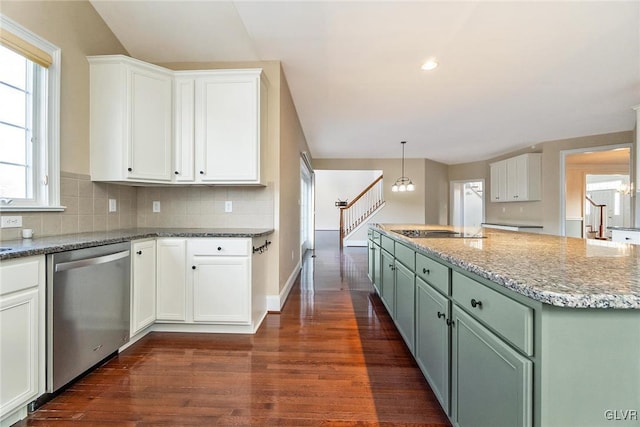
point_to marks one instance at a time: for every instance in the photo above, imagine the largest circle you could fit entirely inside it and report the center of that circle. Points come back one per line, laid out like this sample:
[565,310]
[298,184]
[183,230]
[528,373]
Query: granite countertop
[53,244]
[561,271]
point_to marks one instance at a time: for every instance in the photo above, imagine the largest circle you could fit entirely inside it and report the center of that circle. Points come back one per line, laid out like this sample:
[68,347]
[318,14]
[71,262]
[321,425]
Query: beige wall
[292,143]
[77,29]
[436,188]
[545,212]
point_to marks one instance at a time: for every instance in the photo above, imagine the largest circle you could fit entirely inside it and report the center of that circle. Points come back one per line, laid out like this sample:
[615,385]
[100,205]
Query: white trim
[52,169]
[355,243]
[32,209]
[276,302]
[563,176]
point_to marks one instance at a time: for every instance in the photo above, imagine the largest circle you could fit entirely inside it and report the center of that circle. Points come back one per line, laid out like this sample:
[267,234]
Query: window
[29,111]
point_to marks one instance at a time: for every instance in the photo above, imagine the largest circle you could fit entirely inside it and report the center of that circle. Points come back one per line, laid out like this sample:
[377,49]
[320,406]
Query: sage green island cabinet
[499,345]
[388,282]
[432,339]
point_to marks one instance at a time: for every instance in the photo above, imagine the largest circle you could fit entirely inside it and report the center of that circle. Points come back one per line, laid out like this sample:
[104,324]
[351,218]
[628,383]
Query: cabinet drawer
[406,256]
[220,246]
[21,273]
[626,236]
[433,272]
[388,244]
[507,317]
[375,236]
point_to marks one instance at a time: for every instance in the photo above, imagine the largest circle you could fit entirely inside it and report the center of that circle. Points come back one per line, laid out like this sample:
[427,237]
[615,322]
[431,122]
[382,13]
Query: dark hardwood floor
[332,357]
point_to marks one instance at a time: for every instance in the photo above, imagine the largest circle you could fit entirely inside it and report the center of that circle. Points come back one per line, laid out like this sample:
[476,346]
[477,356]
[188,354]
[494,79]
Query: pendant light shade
[403,183]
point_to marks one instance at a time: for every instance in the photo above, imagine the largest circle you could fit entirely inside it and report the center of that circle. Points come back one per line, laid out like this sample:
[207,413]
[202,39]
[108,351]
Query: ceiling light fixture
[431,64]
[403,183]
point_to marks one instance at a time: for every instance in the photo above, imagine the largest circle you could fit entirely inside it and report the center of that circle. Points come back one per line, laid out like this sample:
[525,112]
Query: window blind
[24,48]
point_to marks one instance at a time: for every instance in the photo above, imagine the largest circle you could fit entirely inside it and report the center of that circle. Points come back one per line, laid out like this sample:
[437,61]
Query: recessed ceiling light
[429,65]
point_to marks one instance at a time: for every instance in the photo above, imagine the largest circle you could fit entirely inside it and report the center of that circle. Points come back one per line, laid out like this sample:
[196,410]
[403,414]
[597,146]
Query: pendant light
[403,183]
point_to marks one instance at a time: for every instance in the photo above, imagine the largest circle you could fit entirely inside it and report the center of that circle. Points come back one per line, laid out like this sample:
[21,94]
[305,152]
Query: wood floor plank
[333,357]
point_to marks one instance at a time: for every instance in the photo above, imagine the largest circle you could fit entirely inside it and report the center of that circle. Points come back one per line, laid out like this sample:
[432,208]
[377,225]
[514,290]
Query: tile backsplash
[87,205]
[202,207]
[86,210]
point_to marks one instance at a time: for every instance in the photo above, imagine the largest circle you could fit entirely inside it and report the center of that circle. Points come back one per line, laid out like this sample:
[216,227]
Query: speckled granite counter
[561,271]
[48,245]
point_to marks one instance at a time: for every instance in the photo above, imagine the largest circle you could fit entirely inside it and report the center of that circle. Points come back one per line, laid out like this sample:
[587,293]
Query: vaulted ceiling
[511,74]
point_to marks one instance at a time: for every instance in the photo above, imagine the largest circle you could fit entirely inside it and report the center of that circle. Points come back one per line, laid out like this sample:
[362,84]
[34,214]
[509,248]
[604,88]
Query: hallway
[332,357]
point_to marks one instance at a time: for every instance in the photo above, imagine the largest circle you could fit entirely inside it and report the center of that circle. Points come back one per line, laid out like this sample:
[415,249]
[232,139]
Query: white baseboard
[355,242]
[275,302]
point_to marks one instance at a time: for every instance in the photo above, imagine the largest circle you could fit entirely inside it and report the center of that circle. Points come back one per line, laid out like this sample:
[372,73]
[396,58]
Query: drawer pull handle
[475,303]
[440,315]
[139,252]
[193,267]
[450,322]
[426,271]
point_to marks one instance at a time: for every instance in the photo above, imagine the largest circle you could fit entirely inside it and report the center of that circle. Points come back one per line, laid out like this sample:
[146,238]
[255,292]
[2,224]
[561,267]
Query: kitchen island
[514,328]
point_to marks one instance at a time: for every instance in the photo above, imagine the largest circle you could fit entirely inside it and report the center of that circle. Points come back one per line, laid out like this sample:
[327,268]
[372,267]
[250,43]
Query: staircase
[361,208]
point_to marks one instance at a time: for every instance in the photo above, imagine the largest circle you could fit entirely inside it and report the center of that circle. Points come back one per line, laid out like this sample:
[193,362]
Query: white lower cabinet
[171,303]
[22,284]
[207,281]
[221,280]
[143,284]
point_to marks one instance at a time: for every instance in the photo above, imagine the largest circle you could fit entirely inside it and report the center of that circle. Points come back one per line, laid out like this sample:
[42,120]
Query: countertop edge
[120,236]
[558,299]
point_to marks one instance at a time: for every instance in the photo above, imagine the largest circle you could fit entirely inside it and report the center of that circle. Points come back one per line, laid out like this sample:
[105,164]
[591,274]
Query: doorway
[596,193]
[467,203]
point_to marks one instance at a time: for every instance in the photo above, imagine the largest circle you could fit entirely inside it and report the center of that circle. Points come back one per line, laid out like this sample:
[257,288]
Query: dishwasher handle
[91,261]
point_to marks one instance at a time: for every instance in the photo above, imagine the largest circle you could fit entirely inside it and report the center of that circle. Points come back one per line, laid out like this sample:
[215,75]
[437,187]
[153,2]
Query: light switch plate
[156,206]
[11,221]
[113,205]
[228,206]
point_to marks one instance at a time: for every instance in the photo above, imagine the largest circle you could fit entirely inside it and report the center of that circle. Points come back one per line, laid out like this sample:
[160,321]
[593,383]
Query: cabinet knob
[129,169]
[193,267]
[450,322]
[201,172]
[391,265]
[475,303]
[426,271]
[139,252]
[440,315]
[219,248]
[177,173]
[627,238]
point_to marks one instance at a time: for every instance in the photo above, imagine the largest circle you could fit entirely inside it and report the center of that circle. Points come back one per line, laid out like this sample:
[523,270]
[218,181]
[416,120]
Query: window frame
[47,158]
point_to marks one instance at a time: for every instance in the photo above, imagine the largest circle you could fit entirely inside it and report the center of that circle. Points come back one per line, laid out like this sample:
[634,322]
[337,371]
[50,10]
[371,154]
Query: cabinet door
[18,349]
[228,128]
[432,340]
[377,270]
[150,125]
[143,285]
[184,129]
[221,289]
[499,182]
[405,304]
[388,281]
[171,282]
[491,382]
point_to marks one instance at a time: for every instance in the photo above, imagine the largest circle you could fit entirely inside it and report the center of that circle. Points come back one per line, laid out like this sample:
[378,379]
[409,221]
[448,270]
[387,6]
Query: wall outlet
[11,221]
[156,206]
[228,206]
[113,205]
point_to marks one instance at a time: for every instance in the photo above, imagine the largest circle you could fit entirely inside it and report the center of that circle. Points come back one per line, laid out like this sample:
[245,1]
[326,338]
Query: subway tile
[85,188]
[85,223]
[10,233]
[100,190]
[113,221]
[51,224]
[69,224]
[85,205]
[100,206]
[71,205]
[100,222]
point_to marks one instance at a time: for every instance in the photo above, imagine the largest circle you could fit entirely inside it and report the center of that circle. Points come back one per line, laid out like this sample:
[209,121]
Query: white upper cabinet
[130,115]
[517,179]
[220,116]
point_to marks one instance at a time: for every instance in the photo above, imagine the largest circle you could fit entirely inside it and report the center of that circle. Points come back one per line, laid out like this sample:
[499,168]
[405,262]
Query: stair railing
[358,210]
[600,233]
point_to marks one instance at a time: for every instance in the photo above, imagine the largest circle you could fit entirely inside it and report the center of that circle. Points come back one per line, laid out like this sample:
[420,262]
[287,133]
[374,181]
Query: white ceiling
[511,74]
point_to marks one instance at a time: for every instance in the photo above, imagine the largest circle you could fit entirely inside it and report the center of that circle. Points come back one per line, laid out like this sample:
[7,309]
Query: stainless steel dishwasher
[88,293]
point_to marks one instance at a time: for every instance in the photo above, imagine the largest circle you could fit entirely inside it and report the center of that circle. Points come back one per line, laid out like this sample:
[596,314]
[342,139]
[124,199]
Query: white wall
[332,185]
